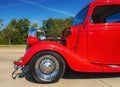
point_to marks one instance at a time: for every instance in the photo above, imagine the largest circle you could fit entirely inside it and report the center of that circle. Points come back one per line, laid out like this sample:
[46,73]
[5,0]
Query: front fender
[75,62]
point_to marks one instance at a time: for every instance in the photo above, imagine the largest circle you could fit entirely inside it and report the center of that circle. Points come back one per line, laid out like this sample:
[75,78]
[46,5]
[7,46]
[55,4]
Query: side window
[113,18]
[106,14]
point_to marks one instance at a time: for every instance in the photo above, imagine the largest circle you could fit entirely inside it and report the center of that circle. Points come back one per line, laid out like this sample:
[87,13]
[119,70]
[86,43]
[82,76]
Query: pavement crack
[105,83]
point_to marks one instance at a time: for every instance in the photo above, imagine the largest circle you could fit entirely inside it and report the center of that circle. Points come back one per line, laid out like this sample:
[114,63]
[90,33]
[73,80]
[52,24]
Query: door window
[106,14]
[80,17]
[114,18]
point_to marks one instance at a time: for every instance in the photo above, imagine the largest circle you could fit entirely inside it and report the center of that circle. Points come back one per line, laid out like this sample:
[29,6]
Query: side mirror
[42,38]
[91,20]
[42,35]
[39,31]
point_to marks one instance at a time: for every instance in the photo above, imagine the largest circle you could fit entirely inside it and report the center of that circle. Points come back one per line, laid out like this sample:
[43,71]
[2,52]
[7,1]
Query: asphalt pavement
[72,79]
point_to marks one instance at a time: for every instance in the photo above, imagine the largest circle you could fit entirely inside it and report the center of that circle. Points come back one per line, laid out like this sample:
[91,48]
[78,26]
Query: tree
[34,25]
[1,23]
[16,31]
[56,26]
[23,26]
[8,34]
[9,30]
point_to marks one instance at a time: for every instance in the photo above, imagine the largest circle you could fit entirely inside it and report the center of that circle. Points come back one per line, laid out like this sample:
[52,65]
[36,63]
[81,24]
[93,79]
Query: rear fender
[75,62]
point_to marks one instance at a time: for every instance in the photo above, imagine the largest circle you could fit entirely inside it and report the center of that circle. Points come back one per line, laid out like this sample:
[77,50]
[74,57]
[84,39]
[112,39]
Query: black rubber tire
[38,56]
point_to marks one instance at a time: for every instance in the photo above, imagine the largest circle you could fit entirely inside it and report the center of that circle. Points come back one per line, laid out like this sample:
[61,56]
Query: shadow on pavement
[83,75]
[76,75]
[27,77]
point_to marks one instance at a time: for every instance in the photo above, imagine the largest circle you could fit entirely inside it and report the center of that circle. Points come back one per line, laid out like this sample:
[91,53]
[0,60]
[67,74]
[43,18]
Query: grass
[12,47]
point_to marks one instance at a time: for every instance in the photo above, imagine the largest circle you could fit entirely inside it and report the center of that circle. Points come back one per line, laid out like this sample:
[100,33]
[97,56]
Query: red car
[90,44]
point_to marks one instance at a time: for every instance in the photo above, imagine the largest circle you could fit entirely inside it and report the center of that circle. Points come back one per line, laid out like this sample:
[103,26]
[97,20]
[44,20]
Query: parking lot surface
[73,79]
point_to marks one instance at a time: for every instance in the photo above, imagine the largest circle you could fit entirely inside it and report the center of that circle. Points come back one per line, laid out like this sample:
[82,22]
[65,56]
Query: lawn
[12,47]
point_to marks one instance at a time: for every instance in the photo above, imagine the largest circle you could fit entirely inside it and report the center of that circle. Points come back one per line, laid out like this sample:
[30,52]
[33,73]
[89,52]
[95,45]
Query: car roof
[106,1]
[118,1]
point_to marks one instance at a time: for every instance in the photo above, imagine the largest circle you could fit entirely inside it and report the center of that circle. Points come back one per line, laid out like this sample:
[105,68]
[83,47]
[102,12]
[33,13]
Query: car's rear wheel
[47,67]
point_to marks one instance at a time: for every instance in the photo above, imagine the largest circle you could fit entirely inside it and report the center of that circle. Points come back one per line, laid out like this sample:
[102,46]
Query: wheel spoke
[47,67]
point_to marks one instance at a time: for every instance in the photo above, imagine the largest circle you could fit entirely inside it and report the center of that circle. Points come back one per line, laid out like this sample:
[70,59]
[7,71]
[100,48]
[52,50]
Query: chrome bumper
[17,65]
[14,74]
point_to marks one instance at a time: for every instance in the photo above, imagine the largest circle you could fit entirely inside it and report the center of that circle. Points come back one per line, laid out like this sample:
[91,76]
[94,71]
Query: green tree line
[16,31]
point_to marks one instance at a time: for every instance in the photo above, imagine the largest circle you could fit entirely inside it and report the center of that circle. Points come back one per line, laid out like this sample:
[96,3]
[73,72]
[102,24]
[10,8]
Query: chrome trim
[47,68]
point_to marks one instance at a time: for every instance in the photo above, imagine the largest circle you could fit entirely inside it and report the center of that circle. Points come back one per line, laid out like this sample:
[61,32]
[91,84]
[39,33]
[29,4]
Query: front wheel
[47,67]
[27,47]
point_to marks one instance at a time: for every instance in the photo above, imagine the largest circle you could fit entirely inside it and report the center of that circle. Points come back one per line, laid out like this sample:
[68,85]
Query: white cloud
[39,5]
[13,5]
[49,8]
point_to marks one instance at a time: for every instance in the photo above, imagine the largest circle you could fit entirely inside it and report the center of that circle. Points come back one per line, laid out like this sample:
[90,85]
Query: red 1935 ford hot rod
[90,44]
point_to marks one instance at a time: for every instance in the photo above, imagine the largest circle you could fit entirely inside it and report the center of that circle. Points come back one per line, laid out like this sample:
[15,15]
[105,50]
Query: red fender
[75,63]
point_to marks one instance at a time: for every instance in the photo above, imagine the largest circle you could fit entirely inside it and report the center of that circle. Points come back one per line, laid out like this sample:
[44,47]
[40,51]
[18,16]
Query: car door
[104,35]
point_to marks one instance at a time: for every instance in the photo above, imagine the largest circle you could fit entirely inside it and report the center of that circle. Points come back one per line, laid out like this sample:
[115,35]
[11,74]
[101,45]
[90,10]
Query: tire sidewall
[54,54]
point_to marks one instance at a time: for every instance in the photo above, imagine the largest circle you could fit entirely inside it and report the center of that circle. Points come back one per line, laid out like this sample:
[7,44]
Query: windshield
[32,32]
[80,17]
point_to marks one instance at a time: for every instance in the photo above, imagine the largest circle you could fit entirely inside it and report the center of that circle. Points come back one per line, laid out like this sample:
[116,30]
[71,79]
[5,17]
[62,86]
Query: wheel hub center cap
[47,66]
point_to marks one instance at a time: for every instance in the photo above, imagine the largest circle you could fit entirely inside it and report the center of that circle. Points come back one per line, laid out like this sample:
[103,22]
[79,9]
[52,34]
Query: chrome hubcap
[47,67]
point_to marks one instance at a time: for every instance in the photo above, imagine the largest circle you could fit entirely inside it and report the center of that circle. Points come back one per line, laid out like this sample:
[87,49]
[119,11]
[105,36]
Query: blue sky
[38,10]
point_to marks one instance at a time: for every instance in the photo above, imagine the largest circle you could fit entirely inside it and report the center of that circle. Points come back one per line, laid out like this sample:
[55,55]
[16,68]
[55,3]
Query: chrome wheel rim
[47,68]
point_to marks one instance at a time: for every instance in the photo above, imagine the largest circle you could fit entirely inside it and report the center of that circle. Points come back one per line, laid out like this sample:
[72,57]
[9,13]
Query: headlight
[32,40]
[32,32]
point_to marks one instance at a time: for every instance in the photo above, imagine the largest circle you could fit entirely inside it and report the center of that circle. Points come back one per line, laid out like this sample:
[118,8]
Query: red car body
[90,47]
